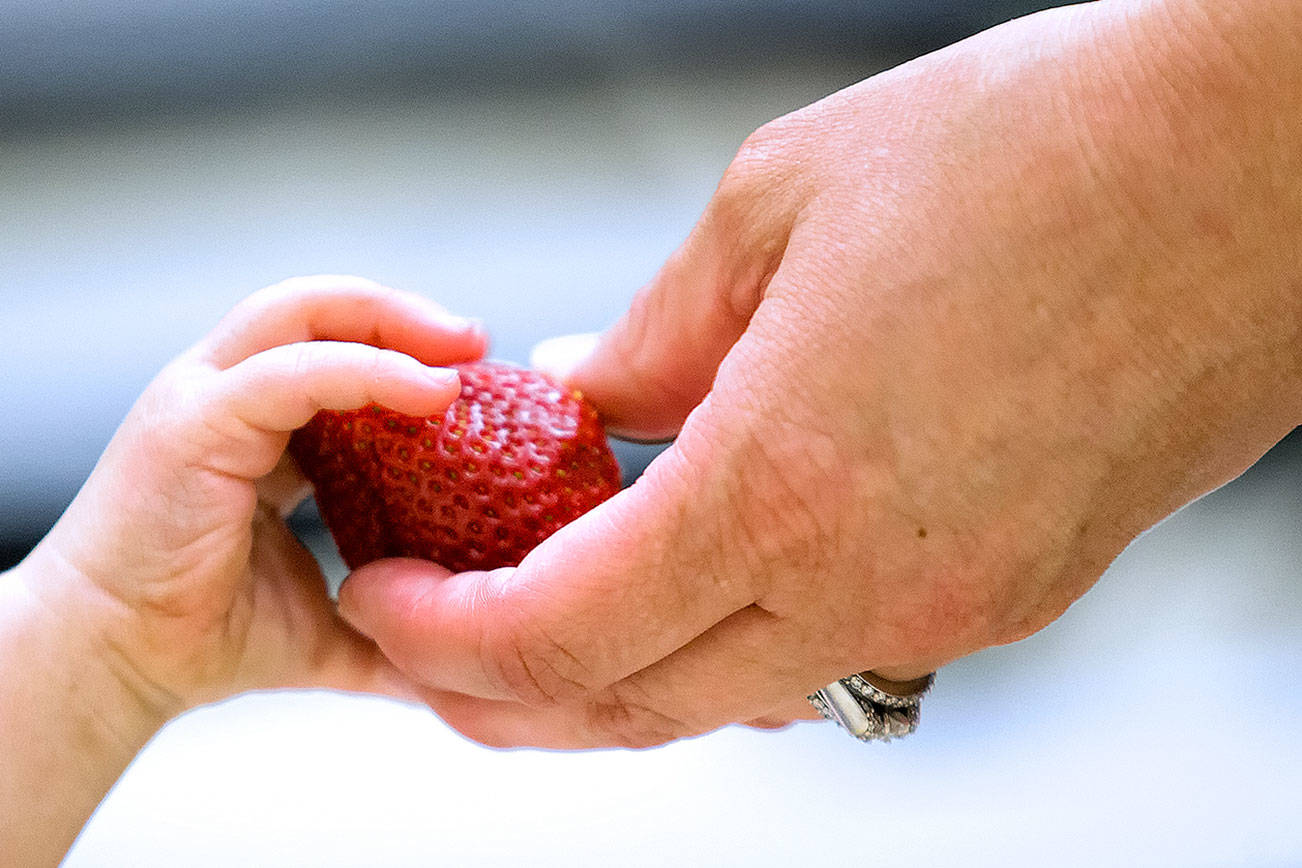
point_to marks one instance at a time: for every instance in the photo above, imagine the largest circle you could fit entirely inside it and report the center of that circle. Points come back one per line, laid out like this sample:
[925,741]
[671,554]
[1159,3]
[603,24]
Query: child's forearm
[69,726]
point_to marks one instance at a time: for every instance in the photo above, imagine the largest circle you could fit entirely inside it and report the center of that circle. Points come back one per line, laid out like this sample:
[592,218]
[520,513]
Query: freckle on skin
[922,533]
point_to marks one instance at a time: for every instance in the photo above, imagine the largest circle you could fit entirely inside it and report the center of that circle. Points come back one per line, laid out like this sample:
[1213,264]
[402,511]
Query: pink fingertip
[560,356]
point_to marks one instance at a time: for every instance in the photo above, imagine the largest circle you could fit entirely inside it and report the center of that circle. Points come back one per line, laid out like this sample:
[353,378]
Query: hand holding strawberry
[172,580]
[942,344]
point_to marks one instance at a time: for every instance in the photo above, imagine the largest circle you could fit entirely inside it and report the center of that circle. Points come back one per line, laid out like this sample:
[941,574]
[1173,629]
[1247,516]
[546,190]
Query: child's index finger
[248,409]
[343,308]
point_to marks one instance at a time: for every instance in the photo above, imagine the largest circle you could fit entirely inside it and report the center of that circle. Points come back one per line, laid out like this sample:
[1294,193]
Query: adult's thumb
[658,361]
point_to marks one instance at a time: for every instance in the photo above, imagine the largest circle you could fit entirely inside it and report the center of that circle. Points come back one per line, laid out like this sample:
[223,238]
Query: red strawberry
[513,459]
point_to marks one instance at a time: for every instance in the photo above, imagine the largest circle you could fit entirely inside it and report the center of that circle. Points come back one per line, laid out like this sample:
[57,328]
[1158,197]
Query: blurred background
[532,164]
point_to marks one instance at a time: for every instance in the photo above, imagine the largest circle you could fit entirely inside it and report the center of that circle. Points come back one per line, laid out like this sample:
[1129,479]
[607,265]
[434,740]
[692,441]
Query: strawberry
[514,458]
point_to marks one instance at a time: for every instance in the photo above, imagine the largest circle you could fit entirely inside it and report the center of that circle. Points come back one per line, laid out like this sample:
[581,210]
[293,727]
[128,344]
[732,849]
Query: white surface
[1156,724]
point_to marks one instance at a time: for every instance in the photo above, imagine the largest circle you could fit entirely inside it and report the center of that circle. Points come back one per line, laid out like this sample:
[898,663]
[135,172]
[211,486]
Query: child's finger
[275,391]
[280,389]
[342,308]
[357,666]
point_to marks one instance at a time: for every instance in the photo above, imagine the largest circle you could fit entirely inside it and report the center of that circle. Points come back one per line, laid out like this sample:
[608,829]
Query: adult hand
[172,579]
[942,344]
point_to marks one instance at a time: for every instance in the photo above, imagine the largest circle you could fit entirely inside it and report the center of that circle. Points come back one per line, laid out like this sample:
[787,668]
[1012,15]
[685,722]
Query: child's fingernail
[457,323]
[442,377]
[475,328]
[561,355]
[439,317]
[452,322]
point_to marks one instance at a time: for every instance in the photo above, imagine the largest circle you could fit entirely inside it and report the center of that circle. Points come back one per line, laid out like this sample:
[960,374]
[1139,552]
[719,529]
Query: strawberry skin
[513,459]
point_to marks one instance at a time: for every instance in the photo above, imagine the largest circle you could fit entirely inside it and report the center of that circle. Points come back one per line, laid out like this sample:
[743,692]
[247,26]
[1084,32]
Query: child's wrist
[70,725]
[65,629]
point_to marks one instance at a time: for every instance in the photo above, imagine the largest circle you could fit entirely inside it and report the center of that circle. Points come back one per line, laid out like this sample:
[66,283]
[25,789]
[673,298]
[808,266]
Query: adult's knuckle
[704,547]
[1039,599]
[1017,629]
[533,667]
[777,154]
[794,506]
[947,613]
[639,353]
[957,615]
[767,153]
[630,722]
[749,183]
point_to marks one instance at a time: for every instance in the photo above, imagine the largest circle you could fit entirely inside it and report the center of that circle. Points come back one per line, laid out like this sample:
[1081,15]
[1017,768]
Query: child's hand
[176,551]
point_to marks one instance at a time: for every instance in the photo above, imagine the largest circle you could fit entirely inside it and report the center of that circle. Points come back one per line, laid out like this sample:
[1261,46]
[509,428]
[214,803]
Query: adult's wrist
[1193,109]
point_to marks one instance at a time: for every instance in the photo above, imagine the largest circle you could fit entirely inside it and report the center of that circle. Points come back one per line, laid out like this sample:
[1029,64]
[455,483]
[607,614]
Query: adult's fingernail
[559,356]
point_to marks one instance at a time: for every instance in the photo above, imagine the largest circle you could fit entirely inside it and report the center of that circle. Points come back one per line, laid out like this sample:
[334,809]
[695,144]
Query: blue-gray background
[532,163]
[526,162]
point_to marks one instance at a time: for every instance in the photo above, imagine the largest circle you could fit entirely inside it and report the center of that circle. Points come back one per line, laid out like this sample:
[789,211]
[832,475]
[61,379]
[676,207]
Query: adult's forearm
[1197,109]
[68,727]
[1213,166]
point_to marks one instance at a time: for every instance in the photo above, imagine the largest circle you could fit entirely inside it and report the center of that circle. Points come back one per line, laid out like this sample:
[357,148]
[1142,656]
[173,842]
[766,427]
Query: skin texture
[941,345]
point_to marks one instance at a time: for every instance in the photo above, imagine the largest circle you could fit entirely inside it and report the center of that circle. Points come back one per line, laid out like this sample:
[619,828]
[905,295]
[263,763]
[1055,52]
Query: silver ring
[869,712]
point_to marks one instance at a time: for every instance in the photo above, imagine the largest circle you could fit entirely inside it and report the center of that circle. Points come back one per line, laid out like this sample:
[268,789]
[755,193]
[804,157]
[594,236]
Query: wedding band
[870,711]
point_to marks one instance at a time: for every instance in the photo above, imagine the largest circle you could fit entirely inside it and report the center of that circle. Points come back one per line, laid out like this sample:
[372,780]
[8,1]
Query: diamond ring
[871,708]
